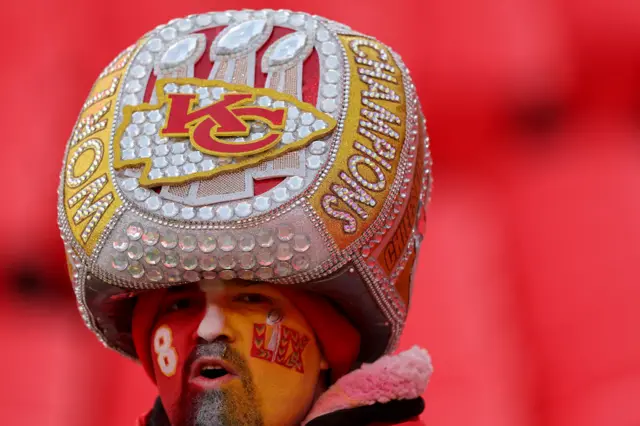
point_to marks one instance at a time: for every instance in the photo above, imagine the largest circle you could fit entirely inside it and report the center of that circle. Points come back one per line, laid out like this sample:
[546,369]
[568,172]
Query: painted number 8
[167,355]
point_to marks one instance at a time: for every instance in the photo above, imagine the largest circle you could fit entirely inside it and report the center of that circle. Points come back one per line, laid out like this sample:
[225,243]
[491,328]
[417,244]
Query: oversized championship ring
[258,145]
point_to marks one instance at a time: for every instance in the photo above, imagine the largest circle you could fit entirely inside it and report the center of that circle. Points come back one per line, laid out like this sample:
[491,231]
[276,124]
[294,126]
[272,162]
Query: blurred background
[528,288]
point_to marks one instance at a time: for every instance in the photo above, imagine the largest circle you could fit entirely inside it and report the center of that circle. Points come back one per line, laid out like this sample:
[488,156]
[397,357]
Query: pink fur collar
[392,377]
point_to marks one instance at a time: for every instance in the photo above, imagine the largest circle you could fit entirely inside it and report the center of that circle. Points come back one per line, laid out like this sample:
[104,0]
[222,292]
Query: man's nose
[212,325]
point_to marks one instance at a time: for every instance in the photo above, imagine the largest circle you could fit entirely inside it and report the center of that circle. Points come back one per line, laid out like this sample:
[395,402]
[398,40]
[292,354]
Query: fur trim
[392,377]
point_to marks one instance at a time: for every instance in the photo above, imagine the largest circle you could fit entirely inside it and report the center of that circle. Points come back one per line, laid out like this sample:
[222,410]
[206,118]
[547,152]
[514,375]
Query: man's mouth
[210,373]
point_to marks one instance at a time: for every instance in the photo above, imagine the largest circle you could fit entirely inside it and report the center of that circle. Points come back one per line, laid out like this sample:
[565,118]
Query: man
[206,348]
[241,202]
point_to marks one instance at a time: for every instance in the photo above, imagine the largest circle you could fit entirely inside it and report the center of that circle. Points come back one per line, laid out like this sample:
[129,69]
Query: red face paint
[172,341]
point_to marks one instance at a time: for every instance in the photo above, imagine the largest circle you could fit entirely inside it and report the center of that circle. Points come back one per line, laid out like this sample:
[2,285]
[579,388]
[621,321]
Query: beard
[221,407]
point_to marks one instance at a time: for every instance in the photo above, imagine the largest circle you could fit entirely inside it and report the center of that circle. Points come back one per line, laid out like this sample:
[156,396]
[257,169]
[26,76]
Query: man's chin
[220,406]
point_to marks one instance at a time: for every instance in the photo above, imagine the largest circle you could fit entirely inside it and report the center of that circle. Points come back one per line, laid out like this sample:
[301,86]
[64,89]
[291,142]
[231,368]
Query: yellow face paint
[280,349]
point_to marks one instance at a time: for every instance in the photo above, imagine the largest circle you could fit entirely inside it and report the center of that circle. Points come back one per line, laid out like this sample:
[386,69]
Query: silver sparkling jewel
[169,239]
[134,231]
[135,250]
[187,243]
[208,262]
[150,236]
[226,242]
[121,243]
[171,260]
[136,270]
[246,242]
[189,262]
[152,255]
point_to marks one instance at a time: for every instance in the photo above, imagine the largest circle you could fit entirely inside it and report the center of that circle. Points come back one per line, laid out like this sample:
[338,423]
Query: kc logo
[217,119]
[224,118]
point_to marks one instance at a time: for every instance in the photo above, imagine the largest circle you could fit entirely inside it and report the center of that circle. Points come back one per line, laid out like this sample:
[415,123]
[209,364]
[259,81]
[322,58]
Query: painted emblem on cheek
[166,355]
[274,318]
[285,346]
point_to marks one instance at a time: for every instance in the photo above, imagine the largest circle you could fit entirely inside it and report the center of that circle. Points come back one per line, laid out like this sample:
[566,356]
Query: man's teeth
[211,368]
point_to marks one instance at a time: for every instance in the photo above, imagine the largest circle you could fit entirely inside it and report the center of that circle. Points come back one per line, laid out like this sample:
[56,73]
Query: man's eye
[179,305]
[252,298]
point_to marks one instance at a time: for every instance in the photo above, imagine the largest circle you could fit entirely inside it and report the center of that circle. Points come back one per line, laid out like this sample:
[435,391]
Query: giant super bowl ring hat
[265,145]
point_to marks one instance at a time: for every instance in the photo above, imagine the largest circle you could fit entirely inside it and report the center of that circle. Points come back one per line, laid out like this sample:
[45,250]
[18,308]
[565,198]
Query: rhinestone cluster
[384,288]
[110,91]
[171,157]
[90,125]
[118,62]
[146,253]
[90,145]
[328,50]
[328,201]
[160,41]
[90,207]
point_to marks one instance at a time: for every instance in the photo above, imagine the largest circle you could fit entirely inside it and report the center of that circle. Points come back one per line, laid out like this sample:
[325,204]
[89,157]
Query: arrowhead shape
[202,128]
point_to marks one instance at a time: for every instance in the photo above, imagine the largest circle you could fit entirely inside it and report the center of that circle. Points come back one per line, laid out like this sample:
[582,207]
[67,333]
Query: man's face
[234,355]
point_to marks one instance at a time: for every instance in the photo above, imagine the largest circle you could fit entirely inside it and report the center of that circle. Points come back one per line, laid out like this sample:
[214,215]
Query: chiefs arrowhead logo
[206,126]
[218,119]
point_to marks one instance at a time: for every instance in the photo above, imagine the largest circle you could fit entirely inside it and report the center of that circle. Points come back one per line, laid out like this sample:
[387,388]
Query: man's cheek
[274,342]
[171,346]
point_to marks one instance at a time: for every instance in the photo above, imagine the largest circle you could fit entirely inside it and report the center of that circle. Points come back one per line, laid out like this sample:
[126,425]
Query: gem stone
[152,255]
[154,274]
[189,262]
[287,48]
[120,262]
[171,260]
[208,263]
[227,274]
[246,242]
[120,243]
[265,238]
[192,276]
[264,273]
[134,231]
[207,242]
[136,270]
[150,236]
[187,243]
[300,262]
[265,256]
[135,251]
[240,36]
[226,242]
